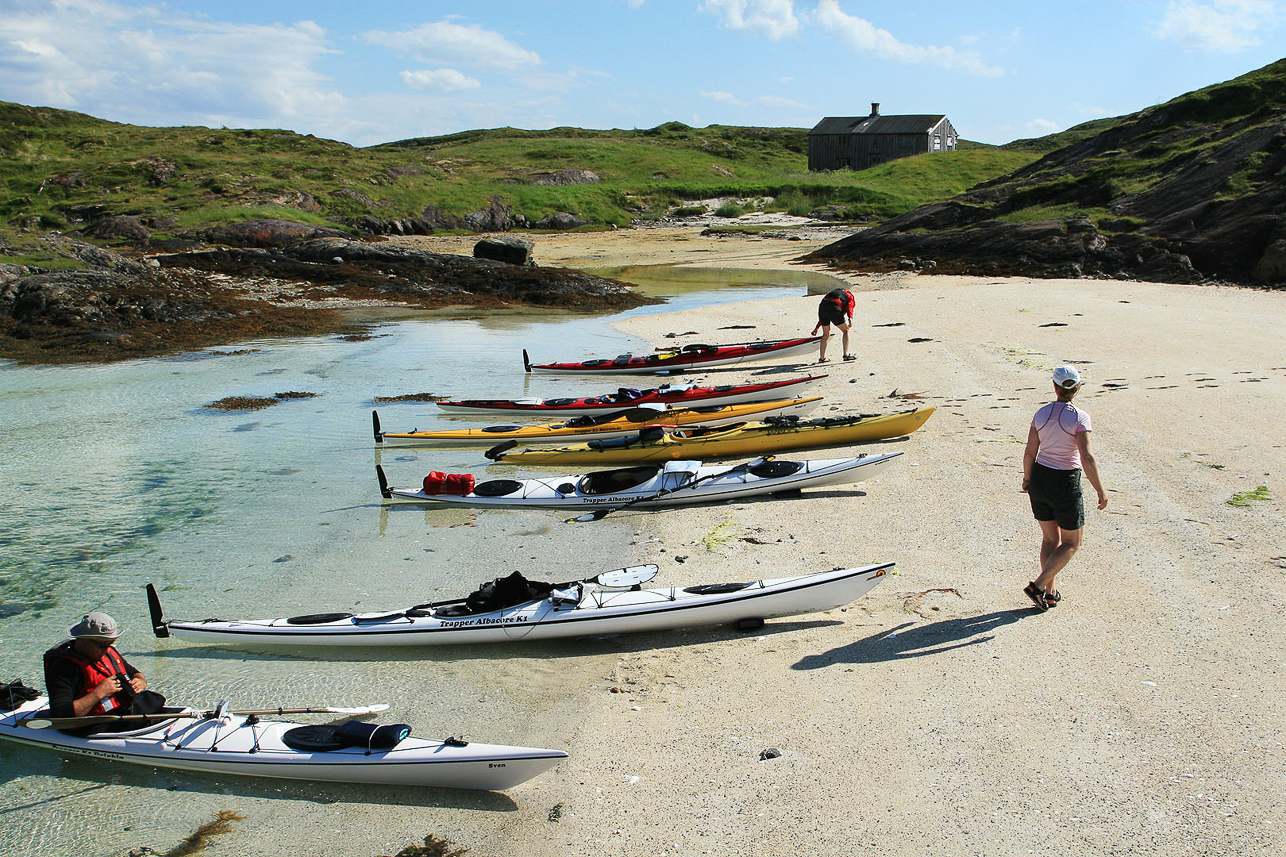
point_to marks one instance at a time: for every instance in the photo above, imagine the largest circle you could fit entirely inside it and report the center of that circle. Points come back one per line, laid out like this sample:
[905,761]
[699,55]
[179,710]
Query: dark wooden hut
[858,142]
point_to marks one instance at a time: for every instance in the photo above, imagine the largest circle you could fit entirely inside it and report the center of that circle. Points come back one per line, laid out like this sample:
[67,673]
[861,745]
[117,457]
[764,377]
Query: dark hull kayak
[666,394]
[687,357]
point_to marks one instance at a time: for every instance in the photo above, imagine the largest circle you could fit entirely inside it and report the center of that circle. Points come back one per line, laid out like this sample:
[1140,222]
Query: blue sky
[372,73]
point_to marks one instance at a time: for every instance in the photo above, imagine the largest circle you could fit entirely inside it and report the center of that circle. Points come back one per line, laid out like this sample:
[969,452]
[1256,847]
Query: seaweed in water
[408,397]
[201,837]
[254,403]
[432,847]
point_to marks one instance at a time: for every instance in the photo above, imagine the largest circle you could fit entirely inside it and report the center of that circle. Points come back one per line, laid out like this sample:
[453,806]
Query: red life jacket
[94,673]
[843,299]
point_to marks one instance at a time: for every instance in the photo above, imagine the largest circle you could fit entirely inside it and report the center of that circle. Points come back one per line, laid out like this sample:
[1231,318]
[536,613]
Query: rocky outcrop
[119,226]
[561,220]
[564,178]
[505,248]
[387,271]
[265,233]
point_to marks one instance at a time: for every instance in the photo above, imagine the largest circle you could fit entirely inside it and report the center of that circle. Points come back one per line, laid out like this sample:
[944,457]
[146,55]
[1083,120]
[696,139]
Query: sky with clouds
[1001,70]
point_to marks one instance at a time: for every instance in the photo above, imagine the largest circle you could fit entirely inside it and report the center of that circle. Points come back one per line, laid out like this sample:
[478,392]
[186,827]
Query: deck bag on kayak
[566,596]
[438,482]
[506,592]
[15,694]
[371,736]
[325,738]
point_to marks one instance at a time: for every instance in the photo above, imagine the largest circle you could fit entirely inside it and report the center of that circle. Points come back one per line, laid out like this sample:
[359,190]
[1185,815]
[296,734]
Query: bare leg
[844,328]
[826,337]
[1056,549]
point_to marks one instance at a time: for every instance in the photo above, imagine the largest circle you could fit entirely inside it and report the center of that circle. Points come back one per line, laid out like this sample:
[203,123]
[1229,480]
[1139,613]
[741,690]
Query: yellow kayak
[752,438]
[618,424]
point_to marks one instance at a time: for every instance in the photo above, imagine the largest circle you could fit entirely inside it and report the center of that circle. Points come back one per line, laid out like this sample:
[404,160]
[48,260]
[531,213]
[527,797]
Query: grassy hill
[1191,189]
[61,170]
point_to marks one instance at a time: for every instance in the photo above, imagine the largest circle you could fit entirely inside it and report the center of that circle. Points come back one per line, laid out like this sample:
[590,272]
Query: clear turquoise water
[113,476]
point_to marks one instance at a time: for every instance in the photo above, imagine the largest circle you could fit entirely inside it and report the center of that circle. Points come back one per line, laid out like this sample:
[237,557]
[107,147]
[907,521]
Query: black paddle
[599,514]
[99,719]
[497,451]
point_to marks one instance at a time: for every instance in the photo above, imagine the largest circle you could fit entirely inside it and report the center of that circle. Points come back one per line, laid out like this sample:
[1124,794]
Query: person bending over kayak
[86,675]
[837,309]
[1058,447]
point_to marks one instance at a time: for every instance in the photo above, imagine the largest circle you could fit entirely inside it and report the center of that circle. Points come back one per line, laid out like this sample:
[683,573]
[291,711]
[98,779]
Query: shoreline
[940,713]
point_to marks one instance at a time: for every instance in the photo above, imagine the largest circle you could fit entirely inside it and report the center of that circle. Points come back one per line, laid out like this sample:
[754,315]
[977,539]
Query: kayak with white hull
[544,611]
[242,744]
[615,424]
[671,483]
[672,395]
[679,359]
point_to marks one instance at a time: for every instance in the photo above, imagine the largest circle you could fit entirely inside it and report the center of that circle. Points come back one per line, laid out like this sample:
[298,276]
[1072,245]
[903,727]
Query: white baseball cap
[1067,377]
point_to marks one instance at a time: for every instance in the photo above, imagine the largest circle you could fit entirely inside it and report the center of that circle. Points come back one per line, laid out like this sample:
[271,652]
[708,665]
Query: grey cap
[98,625]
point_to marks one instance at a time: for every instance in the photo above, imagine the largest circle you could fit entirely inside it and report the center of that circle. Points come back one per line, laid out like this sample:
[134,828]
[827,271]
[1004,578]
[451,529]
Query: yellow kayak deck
[620,423]
[745,439]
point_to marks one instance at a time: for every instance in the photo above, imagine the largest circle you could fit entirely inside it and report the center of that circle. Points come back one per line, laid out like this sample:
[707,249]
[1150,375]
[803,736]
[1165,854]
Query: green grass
[1245,499]
[61,170]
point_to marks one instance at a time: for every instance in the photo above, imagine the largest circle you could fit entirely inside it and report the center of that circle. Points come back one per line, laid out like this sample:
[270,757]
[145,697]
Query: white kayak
[224,742]
[574,609]
[669,483]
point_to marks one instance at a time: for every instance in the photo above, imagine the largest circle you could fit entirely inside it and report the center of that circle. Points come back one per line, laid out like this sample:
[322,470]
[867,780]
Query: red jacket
[94,673]
[844,299]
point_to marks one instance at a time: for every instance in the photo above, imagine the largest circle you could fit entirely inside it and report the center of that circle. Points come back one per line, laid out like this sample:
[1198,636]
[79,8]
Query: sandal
[1037,597]
[824,360]
[1052,599]
[848,357]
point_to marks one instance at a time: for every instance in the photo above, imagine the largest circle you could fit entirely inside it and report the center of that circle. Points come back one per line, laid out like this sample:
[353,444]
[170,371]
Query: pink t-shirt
[1058,423]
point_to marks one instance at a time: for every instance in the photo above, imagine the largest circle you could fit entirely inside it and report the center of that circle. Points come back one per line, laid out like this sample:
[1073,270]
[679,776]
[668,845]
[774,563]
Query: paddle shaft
[600,514]
[99,719]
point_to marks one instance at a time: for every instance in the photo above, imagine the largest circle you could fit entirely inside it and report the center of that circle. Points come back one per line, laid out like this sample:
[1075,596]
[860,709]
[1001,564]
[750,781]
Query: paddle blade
[379,474]
[375,425]
[596,515]
[159,626]
[497,452]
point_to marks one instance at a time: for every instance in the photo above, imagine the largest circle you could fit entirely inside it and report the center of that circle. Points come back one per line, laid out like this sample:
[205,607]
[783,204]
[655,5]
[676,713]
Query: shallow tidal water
[113,476]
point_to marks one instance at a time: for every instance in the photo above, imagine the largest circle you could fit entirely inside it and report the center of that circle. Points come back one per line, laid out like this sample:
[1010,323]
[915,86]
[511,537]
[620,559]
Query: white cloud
[724,97]
[1091,110]
[1219,26]
[864,37]
[1041,127]
[772,18]
[445,43]
[158,67]
[441,80]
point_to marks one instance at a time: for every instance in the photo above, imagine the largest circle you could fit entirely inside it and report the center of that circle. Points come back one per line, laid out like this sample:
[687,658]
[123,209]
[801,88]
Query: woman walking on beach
[1058,448]
[837,309]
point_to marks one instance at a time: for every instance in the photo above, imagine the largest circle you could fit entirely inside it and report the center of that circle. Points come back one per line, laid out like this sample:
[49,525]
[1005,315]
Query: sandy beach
[941,714]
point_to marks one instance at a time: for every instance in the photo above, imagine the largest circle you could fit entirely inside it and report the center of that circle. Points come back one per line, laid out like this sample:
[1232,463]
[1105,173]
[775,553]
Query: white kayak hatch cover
[632,576]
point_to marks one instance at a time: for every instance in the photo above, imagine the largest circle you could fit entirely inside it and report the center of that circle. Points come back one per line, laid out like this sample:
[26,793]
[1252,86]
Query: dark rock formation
[560,220]
[564,178]
[127,226]
[391,272]
[505,248]
[265,233]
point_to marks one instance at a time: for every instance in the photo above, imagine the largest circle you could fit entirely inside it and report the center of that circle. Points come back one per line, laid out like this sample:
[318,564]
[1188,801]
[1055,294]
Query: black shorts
[829,312]
[1056,496]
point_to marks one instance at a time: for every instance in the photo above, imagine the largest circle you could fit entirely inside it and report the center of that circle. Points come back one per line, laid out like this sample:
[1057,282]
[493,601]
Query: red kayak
[688,357]
[667,394]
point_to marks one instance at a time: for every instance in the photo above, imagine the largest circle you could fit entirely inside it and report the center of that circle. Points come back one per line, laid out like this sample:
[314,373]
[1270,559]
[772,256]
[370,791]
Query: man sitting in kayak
[835,308]
[86,675]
